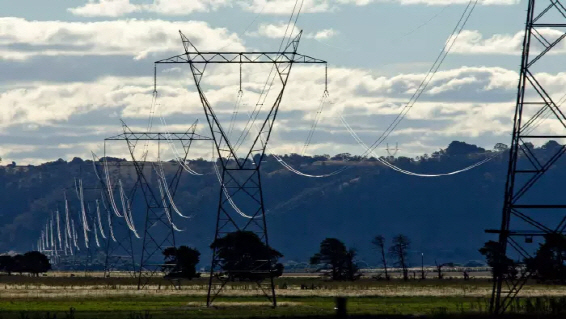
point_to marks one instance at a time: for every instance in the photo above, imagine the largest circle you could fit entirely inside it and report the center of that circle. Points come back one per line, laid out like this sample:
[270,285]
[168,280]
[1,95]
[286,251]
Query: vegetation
[245,257]
[398,251]
[181,262]
[549,262]
[336,261]
[379,242]
[32,262]
[500,264]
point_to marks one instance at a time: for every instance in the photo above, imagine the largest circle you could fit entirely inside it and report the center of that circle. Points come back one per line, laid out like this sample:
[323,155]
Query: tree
[181,262]
[549,262]
[379,242]
[398,251]
[7,264]
[500,264]
[439,268]
[336,260]
[32,262]
[245,257]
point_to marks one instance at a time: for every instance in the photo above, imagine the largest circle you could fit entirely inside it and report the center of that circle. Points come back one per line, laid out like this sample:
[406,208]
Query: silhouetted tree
[379,242]
[495,257]
[181,262]
[244,256]
[549,262]
[32,262]
[336,260]
[439,268]
[7,264]
[398,251]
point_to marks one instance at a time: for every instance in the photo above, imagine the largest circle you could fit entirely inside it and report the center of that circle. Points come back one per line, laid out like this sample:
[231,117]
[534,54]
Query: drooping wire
[83,210]
[94,229]
[400,170]
[127,210]
[428,78]
[110,225]
[59,230]
[416,95]
[166,207]
[225,190]
[68,226]
[99,219]
[178,157]
[270,79]
[110,190]
[75,235]
[315,122]
[161,175]
[85,230]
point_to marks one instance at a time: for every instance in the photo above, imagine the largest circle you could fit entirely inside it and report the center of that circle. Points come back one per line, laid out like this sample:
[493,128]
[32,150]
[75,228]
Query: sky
[71,70]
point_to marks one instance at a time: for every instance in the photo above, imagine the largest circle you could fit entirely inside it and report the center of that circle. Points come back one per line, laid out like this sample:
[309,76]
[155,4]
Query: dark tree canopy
[462,148]
[32,262]
[244,256]
[181,262]
[337,261]
[549,263]
[495,257]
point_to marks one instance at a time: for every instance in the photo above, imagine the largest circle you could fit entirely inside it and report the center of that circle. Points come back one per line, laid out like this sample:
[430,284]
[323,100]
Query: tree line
[32,262]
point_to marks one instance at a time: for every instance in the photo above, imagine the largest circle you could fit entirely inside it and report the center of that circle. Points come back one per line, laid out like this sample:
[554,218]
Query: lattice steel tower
[158,232]
[531,208]
[241,195]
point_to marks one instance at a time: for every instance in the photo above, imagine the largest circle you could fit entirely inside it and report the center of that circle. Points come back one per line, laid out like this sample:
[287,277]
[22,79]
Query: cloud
[21,39]
[280,30]
[118,8]
[318,6]
[87,111]
[473,42]
[105,8]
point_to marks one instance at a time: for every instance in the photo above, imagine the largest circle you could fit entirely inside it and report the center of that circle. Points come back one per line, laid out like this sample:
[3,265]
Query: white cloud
[467,102]
[118,8]
[473,42]
[136,38]
[324,34]
[273,31]
[105,8]
[280,30]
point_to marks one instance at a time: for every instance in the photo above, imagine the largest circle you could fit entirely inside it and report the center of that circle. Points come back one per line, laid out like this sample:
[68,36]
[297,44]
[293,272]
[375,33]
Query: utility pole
[527,213]
[158,232]
[422,267]
[241,202]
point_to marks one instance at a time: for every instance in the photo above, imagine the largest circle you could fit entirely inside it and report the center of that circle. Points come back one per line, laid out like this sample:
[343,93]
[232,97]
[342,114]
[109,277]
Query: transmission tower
[155,239]
[531,208]
[241,193]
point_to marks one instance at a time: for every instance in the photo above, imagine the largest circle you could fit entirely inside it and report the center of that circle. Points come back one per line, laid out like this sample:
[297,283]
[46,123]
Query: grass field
[96,297]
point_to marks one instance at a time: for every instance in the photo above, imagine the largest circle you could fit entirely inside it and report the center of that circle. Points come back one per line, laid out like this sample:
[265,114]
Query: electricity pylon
[158,232]
[531,208]
[241,194]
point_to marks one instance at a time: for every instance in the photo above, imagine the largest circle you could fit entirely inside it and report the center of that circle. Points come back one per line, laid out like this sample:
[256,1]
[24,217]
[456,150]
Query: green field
[80,297]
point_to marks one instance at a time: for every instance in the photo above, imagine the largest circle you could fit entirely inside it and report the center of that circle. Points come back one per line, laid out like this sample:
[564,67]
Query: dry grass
[322,289]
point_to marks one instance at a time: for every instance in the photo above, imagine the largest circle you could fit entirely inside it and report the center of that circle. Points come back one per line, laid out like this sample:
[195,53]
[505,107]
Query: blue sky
[70,70]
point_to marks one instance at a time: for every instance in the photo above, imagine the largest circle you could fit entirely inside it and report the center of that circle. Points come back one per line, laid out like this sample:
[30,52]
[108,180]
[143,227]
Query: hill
[445,217]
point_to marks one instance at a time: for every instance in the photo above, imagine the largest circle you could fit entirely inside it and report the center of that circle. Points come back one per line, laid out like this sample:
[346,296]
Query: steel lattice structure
[155,239]
[240,177]
[526,214]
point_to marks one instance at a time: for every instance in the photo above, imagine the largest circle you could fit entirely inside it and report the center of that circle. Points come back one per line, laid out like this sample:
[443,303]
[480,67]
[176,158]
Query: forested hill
[445,217]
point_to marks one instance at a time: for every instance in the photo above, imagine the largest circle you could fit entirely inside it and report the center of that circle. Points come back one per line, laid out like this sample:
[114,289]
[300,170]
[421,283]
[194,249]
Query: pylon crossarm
[159,136]
[241,57]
